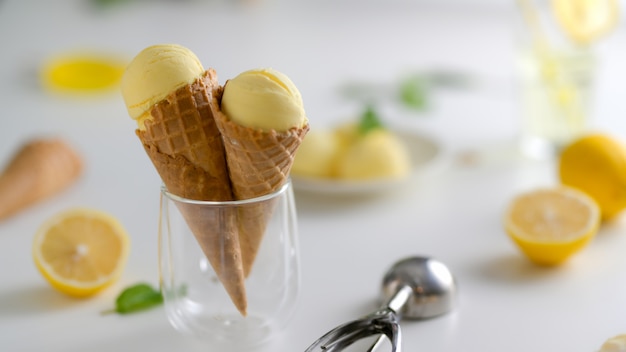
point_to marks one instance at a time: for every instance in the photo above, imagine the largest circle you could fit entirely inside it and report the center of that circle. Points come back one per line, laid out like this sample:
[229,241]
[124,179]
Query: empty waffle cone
[40,169]
[186,148]
[259,163]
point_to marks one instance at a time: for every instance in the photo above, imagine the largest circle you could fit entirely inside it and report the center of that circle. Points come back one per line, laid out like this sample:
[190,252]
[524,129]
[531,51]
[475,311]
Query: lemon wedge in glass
[586,20]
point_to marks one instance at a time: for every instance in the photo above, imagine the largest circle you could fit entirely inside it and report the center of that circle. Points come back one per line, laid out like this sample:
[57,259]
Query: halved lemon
[549,225]
[81,251]
[586,20]
[82,72]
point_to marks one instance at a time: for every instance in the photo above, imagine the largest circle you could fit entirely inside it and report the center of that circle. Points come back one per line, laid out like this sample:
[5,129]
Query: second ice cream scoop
[263,99]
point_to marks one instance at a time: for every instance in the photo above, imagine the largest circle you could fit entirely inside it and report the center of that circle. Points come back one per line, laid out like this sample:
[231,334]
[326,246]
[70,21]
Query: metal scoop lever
[383,322]
[414,288]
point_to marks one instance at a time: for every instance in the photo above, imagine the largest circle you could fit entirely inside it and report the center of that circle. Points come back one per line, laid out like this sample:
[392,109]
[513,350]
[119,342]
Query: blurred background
[322,46]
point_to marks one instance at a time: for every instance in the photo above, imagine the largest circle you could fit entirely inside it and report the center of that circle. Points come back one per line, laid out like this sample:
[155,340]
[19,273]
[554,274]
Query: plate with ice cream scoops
[426,156]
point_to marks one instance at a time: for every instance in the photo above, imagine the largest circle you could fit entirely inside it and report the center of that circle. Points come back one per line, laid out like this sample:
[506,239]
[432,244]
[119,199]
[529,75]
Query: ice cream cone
[40,169]
[185,146]
[259,163]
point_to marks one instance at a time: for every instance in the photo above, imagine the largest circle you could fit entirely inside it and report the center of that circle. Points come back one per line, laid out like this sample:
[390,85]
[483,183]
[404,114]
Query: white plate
[426,153]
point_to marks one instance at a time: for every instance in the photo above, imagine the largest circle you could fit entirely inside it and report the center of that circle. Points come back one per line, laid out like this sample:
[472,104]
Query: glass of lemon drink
[555,67]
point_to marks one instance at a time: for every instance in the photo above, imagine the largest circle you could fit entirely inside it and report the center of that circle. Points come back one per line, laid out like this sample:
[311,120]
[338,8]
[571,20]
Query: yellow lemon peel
[82,73]
[81,251]
[596,164]
[550,225]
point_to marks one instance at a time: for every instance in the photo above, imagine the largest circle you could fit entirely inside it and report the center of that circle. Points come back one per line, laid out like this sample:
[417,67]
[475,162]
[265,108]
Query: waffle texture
[186,148]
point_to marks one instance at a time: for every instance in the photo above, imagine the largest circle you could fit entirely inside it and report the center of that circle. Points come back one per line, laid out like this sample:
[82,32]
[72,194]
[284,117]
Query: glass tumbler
[555,81]
[215,255]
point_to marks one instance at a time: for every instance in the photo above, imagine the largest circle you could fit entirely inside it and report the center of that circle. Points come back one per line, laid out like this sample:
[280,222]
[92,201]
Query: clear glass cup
[555,79]
[197,240]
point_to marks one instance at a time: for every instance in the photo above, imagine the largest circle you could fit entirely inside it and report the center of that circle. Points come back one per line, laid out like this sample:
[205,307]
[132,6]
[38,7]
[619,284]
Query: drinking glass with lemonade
[555,65]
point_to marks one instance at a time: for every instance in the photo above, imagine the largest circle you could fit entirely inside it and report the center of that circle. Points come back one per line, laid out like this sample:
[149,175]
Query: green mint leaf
[414,92]
[369,120]
[136,298]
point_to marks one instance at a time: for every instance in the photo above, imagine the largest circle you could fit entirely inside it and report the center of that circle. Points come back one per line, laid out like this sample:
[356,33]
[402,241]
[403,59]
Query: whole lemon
[596,165]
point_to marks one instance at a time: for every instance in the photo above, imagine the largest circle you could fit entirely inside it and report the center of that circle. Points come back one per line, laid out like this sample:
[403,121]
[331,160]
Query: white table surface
[505,303]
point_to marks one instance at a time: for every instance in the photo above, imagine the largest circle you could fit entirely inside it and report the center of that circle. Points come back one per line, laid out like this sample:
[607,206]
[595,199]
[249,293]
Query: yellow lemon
[82,73]
[596,164]
[81,251]
[586,20]
[550,225]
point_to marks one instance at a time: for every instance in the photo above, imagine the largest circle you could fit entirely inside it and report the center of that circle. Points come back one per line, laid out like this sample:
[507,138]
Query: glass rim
[259,199]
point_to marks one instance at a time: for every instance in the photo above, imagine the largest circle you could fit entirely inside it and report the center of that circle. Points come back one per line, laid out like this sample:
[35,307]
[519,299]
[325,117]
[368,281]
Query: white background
[505,303]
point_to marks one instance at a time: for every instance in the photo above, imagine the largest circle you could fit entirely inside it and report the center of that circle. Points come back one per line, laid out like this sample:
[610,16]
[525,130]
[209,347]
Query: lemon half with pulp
[81,251]
[549,225]
[82,73]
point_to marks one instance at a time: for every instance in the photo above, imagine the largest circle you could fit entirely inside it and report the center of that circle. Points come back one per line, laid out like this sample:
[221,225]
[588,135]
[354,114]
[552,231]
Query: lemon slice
[586,20]
[82,73]
[81,251]
[549,225]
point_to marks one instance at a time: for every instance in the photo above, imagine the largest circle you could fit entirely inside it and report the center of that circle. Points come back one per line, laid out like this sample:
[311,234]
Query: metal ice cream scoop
[413,288]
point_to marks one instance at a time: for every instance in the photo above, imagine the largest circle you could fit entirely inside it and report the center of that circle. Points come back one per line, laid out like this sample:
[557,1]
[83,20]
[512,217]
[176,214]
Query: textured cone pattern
[186,148]
[183,135]
[259,163]
[40,169]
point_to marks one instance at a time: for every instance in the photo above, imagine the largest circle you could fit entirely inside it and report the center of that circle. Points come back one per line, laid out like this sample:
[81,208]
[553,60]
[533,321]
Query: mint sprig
[369,120]
[413,91]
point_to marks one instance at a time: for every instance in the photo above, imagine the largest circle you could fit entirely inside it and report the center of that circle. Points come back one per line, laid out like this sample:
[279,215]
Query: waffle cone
[186,148]
[39,169]
[259,163]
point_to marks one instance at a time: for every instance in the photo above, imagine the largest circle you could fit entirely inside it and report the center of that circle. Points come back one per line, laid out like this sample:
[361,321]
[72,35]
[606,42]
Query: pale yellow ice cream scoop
[263,99]
[379,154]
[154,73]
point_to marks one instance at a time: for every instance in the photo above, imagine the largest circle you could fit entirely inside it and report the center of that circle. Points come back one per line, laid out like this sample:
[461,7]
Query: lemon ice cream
[262,122]
[205,153]
[318,154]
[376,155]
[263,99]
[154,73]
[345,153]
[168,92]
